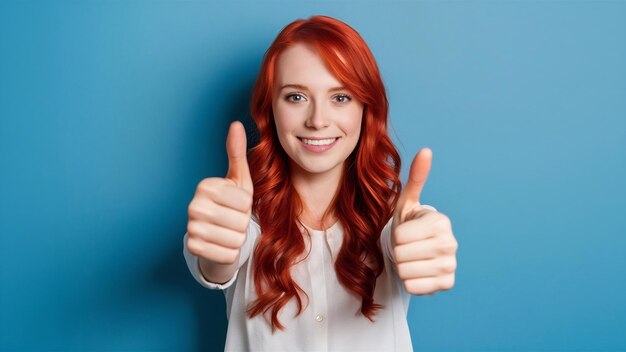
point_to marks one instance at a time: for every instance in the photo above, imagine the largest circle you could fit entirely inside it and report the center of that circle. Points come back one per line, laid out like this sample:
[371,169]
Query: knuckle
[193,210]
[412,288]
[408,287]
[194,246]
[449,266]
[244,222]
[209,187]
[447,282]
[210,192]
[402,270]
[448,247]
[204,185]
[397,253]
[196,211]
[192,228]
[399,236]
[209,213]
[442,222]
[208,182]
[240,239]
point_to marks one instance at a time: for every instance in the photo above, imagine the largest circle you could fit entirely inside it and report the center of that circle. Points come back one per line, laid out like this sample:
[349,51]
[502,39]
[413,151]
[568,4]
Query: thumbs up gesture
[422,240]
[220,210]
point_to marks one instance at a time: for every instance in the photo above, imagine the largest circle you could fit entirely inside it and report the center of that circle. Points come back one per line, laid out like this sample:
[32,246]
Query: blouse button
[319,318]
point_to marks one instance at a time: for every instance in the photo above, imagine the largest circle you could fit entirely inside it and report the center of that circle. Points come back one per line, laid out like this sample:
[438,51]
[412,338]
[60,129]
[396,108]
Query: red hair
[368,190]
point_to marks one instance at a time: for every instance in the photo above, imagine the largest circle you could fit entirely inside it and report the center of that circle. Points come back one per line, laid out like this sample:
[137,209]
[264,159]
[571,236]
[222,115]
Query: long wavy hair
[368,190]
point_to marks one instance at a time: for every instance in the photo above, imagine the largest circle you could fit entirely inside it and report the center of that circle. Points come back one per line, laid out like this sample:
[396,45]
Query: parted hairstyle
[368,190]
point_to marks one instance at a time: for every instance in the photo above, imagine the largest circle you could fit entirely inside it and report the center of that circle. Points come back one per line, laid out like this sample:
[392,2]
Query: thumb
[420,168]
[236,147]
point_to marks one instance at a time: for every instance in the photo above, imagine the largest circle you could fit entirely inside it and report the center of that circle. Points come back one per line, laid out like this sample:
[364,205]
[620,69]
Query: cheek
[284,118]
[284,127]
[355,121]
[280,120]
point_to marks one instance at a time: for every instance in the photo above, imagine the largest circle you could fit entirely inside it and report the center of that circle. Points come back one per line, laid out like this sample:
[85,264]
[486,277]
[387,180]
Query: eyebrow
[301,87]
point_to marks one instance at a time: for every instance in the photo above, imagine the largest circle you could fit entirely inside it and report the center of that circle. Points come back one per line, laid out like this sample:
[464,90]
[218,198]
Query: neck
[316,192]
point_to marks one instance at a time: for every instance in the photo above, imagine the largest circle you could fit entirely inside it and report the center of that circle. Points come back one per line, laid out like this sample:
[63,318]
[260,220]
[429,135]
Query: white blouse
[332,320]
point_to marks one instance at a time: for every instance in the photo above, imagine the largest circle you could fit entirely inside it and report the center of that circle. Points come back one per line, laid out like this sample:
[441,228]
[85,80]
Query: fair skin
[308,101]
[423,244]
[314,106]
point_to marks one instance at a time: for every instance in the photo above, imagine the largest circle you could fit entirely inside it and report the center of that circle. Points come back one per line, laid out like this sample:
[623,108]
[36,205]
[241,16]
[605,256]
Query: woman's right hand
[220,210]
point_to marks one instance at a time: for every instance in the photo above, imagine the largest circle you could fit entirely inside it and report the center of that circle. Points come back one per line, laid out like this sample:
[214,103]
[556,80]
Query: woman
[310,235]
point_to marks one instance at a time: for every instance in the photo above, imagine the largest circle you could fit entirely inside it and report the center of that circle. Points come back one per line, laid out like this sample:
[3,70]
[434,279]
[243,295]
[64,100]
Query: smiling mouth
[318,141]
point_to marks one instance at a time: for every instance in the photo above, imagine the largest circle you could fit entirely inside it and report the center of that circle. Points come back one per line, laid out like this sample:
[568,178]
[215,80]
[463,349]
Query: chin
[317,167]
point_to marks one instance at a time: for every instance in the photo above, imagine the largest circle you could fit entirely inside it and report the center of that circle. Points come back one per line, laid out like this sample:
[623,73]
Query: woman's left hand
[423,244]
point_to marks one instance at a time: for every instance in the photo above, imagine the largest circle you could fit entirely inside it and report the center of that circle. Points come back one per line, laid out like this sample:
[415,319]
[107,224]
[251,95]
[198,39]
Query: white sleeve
[193,262]
[385,237]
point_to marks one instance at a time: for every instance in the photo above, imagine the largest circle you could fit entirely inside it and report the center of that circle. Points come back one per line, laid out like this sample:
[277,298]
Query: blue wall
[113,111]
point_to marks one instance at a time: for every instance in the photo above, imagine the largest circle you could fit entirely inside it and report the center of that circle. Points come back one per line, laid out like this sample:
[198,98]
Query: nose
[317,117]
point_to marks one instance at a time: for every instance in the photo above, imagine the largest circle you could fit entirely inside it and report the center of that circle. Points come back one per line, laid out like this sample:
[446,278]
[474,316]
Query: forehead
[301,64]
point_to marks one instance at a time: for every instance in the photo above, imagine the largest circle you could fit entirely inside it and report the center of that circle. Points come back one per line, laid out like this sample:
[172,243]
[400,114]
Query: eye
[343,98]
[296,98]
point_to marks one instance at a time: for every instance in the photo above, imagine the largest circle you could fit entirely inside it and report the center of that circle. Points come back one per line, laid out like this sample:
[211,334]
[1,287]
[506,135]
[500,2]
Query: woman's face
[317,120]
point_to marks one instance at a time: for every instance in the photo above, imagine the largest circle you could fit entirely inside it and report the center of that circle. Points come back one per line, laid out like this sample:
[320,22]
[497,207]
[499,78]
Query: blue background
[113,111]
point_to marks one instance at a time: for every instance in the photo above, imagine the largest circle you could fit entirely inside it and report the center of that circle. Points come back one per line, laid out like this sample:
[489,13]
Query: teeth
[318,141]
